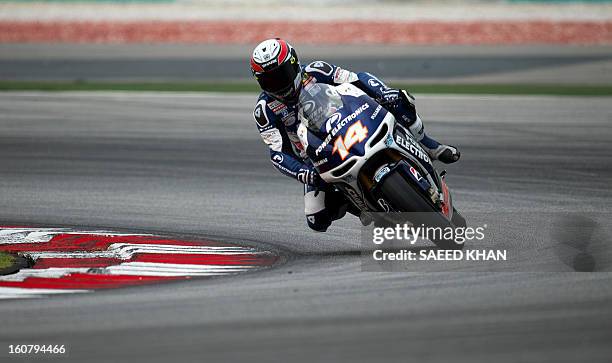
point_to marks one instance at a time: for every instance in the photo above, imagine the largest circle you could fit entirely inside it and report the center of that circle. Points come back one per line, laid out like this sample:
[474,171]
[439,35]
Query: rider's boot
[445,153]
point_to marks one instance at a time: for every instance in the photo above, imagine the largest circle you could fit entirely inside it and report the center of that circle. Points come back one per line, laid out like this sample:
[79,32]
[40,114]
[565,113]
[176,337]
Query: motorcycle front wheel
[402,194]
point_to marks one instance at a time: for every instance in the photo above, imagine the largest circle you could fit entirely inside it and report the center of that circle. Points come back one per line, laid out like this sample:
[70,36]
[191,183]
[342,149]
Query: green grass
[6,260]
[497,89]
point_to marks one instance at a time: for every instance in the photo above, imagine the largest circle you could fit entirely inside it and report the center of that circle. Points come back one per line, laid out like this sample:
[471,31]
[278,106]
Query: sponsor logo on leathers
[278,158]
[344,76]
[320,67]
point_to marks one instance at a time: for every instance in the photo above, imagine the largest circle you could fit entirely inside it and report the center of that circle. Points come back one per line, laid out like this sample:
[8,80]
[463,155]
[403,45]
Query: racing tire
[458,219]
[405,198]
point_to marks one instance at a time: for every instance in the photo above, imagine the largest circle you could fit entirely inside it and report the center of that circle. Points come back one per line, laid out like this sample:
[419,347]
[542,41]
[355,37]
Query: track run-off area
[192,167]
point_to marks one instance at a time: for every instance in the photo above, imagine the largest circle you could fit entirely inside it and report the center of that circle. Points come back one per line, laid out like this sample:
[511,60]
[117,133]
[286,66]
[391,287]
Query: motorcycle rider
[277,69]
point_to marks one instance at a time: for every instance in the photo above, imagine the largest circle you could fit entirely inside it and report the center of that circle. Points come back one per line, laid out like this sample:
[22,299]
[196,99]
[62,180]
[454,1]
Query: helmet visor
[280,80]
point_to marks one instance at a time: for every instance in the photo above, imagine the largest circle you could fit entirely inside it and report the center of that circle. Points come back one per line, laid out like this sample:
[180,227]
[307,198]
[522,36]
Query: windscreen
[317,103]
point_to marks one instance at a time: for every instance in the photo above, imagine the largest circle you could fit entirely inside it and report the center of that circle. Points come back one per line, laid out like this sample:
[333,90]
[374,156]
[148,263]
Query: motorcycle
[359,148]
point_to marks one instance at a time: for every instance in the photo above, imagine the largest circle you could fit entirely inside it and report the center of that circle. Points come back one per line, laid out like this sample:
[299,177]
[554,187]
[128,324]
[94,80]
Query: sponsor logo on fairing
[382,172]
[349,118]
[356,198]
[323,144]
[389,140]
[410,145]
[308,107]
[376,111]
[415,173]
[320,162]
[384,205]
[334,118]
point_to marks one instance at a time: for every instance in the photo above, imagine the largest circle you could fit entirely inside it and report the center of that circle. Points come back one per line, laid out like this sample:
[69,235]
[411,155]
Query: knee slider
[417,129]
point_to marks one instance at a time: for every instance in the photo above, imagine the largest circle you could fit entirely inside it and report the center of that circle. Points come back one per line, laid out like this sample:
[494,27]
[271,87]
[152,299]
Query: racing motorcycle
[357,146]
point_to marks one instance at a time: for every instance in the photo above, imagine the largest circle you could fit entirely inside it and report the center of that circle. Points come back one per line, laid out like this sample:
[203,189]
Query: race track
[192,165]
[521,64]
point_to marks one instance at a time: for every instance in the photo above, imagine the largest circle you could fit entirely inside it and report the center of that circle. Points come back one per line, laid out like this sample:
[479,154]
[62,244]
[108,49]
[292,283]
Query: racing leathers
[278,123]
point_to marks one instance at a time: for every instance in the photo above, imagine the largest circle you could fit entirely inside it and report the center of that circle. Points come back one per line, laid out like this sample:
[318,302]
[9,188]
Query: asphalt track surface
[193,165]
[434,64]
[421,67]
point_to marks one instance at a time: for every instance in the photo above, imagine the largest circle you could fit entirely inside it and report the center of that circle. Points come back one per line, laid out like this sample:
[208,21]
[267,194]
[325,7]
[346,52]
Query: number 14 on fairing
[354,134]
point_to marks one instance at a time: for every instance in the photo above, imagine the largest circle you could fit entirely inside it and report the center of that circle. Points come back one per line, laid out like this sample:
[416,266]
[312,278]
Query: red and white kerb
[69,261]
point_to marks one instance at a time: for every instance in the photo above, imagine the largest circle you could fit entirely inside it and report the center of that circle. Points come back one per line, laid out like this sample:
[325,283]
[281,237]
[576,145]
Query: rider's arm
[281,153]
[398,102]
[330,74]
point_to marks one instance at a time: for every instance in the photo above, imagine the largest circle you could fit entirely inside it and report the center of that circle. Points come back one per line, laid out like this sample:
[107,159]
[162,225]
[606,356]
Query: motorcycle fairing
[320,145]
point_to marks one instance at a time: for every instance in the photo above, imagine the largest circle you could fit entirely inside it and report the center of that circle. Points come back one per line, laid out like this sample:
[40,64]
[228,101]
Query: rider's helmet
[276,67]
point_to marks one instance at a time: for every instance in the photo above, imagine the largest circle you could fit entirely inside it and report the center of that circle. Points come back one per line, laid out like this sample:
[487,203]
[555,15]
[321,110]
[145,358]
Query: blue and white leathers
[278,126]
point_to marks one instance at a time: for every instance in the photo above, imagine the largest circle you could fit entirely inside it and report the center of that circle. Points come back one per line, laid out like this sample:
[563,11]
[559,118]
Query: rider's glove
[310,177]
[401,104]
